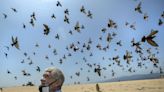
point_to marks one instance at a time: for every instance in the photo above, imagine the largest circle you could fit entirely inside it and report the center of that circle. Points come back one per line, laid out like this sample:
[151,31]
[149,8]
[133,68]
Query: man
[1,89]
[52,80]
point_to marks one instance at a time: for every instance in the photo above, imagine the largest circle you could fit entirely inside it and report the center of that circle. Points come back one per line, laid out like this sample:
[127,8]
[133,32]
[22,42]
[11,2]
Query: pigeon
[15,77]
[58,4]
[136,44]
[55,52]
[109,38]
[34,53]
[22,61]
[5,15]
[83,10]
[104,30]
[46,29]
[127,56]
[76,48]
[8,72]
[98,70]
[116,59]
[53,16]
[77,73]
[77,27]
[25,54]
[113,73]
[70,32]
[82,27]
[32,22]
[38,69]
[33,16]
[25,73]
[126,23]
[145,17]
[132,26]
[150,37]
[138,8]
[36,45]
[66,19]
[66,12]
[46,57]
[60,61]
[162,15]
[98,46]
[49,46]
[15,42]
[153,59]
[14,10]
[57,36]
[90,41]
[119,43]
[160,22]
[89,14]
[6,54]
[30,63]
[112,24]
[114,34]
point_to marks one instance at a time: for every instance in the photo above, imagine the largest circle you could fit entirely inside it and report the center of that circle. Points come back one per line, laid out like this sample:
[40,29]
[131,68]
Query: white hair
[56,74]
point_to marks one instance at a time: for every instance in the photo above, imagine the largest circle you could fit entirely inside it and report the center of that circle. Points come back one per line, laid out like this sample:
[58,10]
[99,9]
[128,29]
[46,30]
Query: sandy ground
[154,85]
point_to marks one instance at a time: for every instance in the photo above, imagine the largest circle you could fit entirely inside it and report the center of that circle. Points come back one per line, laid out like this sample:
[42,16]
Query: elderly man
[1,89]
[52,80]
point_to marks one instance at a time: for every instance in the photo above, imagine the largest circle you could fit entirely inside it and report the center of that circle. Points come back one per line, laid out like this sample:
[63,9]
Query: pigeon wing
[153,43]
[153,33]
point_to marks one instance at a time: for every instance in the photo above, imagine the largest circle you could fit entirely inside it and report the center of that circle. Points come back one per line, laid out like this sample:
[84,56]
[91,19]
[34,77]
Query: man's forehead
[52,70]
[48,71]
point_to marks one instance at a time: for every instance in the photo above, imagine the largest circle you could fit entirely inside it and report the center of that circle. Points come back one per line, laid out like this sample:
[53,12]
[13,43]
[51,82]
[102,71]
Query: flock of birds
[78,46]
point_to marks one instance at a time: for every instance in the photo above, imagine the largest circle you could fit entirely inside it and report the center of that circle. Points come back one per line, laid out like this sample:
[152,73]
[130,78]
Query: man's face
[47,78]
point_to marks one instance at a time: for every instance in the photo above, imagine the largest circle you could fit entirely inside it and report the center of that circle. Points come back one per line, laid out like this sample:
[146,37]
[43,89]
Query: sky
[120,11]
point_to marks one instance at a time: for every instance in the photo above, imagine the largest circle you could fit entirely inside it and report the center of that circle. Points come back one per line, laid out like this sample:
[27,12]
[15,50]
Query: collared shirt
[58,90]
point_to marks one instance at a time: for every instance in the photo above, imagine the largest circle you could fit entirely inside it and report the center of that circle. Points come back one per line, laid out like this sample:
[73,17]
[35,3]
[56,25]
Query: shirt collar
[58,90]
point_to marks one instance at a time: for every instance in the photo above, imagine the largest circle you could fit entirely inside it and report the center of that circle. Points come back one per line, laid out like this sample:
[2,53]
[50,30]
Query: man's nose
[43,81]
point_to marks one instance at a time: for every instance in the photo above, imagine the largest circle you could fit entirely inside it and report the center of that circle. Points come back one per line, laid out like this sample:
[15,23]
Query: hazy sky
[120,11]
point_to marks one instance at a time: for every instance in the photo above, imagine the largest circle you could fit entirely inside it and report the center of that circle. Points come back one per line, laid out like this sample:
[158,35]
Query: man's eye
[45,76]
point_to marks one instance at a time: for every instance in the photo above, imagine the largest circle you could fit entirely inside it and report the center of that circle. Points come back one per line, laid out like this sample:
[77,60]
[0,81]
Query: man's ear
[58,83]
